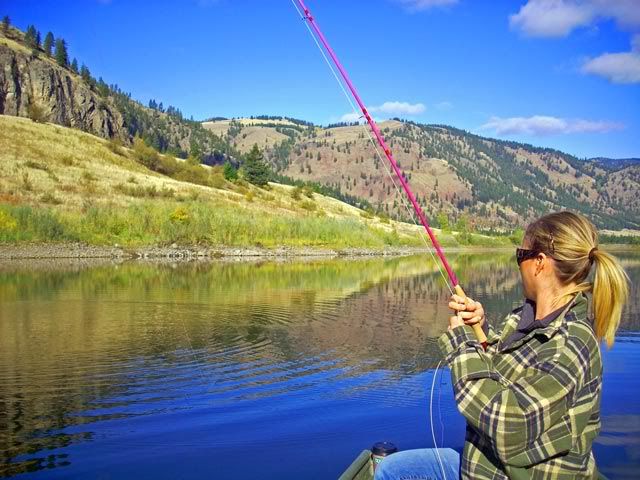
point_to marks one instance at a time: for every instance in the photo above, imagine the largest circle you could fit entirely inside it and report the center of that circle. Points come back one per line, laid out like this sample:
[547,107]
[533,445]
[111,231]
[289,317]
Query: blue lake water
[251,370]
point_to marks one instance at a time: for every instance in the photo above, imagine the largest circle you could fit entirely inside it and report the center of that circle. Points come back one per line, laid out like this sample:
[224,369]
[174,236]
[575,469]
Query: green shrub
[141,191]
[8,224]
[307,191]
[516,236]
[194,174]
[180,215]
[216,180]
[308,205]
[230,172]
[115,145]
[296,193]
[145,154]
[36,113]
[40,224]
[167,165]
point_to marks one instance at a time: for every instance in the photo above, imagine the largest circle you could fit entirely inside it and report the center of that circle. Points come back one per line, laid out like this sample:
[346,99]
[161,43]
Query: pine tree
[85,74]
[256,171]
[6,21]
[195,152]
[74,65]
[48,43]
[38,39]
[30,37]
[103,88]
[61,53]
[230,172]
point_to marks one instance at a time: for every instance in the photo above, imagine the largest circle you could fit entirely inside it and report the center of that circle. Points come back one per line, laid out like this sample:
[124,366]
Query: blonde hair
[572,241]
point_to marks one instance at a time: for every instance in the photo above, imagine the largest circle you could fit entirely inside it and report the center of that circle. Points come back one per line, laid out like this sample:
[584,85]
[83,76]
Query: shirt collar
[528,322]
[546,326]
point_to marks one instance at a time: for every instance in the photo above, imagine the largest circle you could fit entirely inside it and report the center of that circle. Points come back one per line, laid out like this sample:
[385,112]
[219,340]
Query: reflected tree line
[74,337]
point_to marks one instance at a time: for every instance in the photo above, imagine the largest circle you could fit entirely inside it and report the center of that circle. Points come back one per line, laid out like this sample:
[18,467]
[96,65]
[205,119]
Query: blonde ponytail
[572,241]
[610,293]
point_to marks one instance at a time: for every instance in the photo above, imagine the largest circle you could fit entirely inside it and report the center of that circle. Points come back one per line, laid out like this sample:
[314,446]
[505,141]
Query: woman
[532,399]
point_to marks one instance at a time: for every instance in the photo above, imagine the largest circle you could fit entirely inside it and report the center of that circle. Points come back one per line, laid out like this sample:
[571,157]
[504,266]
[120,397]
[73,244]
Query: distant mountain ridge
[615,163]
[457,176]
[496,183]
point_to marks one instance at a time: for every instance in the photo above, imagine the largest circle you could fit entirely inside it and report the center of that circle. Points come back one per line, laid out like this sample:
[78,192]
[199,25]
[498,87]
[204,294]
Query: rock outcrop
[26,79]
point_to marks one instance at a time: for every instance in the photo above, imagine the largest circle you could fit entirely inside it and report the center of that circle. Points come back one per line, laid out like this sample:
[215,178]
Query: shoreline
[195,252]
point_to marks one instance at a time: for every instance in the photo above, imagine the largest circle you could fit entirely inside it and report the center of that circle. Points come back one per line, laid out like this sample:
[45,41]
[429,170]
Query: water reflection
[97,358]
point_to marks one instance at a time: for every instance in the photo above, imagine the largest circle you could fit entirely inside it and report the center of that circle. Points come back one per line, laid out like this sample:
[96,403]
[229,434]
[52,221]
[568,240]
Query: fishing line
[433,433]
[440,408]
[412,215]
[403,200]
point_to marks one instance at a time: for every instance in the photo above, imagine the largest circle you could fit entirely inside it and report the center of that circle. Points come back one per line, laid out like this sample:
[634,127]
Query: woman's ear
[540,262]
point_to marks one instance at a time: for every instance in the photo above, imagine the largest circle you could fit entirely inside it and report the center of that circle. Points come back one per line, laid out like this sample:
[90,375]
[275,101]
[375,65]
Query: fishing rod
[453,279]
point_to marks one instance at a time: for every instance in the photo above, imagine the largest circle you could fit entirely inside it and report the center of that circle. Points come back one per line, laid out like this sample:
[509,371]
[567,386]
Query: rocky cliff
[30,77]
[65,99]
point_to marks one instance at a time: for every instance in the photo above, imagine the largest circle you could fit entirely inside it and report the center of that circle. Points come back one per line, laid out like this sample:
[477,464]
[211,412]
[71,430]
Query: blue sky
[556,73]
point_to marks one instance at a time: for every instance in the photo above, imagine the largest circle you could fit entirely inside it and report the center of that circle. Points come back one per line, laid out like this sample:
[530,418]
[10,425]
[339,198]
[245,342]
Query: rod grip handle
[477,329]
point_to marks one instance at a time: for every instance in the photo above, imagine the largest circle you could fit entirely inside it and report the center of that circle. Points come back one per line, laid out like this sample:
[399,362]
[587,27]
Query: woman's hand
[469,312]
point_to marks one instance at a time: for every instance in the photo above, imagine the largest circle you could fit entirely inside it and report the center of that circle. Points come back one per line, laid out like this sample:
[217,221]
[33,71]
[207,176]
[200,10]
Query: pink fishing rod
[387,151]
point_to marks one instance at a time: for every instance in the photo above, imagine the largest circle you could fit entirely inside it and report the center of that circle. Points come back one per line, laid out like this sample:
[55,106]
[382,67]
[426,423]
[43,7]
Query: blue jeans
[420,464]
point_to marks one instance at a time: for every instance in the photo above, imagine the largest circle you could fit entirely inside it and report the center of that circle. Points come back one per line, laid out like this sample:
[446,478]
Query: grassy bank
[63,185]
[197,223]
[190,223]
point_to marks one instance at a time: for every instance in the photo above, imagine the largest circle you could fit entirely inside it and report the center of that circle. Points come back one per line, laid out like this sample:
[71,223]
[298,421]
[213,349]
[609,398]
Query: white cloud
[616,67]
[399,108]
[420,5]
[540,125]
[625,12]
[386,110]
[557,18]
[622,67]
[550,18]
[350,117]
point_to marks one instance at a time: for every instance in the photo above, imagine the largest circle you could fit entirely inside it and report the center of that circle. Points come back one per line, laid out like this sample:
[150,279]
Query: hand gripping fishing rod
[394,165]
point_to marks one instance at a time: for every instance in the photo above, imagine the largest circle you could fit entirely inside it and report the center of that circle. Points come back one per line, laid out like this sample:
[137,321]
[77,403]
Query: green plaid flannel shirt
[532,408]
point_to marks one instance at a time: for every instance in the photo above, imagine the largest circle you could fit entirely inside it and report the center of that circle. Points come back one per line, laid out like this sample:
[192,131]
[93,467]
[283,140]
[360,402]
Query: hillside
[31,80]
[498,184]
[61,184]
[487,183]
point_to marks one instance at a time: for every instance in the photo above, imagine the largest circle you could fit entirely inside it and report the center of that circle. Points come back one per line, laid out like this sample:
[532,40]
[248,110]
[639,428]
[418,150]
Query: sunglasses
[523,254]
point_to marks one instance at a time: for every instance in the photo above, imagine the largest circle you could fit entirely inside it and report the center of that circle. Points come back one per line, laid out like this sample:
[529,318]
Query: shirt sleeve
[527,419]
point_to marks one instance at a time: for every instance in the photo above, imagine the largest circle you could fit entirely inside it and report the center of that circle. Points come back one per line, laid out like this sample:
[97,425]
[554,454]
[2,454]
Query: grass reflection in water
[98,362]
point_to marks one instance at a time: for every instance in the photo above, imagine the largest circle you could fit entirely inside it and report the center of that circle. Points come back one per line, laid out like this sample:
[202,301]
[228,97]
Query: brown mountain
[497,183]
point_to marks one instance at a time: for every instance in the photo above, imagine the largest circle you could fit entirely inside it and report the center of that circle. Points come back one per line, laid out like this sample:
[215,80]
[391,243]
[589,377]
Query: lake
[270,369]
